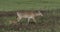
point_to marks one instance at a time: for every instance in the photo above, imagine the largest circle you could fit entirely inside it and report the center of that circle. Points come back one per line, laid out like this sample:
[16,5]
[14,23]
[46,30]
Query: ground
[50,22]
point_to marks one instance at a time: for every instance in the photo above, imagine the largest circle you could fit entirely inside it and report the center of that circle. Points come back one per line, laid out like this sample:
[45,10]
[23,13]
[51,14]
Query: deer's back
[26,14]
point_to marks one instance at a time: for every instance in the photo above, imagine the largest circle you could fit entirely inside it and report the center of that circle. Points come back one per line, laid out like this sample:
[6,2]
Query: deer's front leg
[34,19]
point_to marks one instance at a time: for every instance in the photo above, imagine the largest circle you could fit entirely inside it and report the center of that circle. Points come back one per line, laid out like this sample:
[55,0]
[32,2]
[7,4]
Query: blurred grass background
[9,5]
[50,22]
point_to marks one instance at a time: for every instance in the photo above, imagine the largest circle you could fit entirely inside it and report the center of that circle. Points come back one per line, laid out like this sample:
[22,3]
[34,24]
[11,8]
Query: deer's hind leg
[28,20]
[19,18]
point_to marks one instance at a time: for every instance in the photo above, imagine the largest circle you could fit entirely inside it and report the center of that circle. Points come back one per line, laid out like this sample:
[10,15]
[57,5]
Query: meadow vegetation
[9,5]
[50,22]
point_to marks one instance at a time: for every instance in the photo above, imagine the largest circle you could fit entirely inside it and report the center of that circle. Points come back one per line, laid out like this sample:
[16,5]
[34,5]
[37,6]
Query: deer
[29,15]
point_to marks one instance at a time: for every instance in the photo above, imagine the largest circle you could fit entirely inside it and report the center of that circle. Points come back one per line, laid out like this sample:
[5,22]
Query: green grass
[10,5]
[50,22]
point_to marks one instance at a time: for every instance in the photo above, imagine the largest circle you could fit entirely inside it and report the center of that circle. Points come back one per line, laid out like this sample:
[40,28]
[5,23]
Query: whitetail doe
[28,14]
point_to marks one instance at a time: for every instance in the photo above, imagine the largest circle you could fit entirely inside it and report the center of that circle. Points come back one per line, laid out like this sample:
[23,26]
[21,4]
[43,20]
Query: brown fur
[28,14]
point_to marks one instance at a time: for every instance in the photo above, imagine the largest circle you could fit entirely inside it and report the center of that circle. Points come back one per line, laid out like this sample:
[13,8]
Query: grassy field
[50,22]
[9,5]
